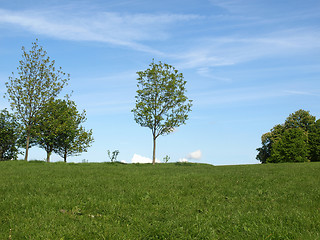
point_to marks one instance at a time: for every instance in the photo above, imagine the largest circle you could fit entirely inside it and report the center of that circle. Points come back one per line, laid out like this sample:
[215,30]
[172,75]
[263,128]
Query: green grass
[167,201]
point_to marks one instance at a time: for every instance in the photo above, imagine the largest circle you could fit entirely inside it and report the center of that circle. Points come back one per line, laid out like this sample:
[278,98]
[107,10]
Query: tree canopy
[59,129]
[296,140]
[161,103]
[72,138]
[9,136]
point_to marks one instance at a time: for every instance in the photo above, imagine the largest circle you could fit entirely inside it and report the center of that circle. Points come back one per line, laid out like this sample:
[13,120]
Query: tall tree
[161,103]
[37,83]
[9,136]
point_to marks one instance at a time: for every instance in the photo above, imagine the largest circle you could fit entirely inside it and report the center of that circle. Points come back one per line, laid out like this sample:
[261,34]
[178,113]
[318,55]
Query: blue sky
[248,64]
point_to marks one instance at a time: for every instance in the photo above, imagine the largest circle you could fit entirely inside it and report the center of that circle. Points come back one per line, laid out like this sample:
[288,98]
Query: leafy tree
[264,152]
[161,103]
[300,118]
[70,138]
[267,141]
[9,136]
[291,147]
[37,83]
[297,140]
[52,123]
[314,142]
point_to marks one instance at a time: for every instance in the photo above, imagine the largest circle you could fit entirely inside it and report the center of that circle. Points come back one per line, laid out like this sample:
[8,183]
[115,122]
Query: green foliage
[59,129]
[113,156]
[314,142]
[52,121]
[9,136]
[161,103]
[268,139]
[168,201]
[291,147]
[300,119]
[297,140]
[37,83]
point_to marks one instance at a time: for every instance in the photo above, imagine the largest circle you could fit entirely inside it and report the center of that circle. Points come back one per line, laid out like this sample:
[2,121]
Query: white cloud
[140,159]
[195,155]
[109,27]
[183,160]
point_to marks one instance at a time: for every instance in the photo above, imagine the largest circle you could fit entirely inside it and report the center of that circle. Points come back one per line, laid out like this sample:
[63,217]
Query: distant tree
[267,141]
[314,142]
[264,152]
[302,119]
[38,82]
[297,140]
[9,136]
[291,147]
[161,103]
[71,138]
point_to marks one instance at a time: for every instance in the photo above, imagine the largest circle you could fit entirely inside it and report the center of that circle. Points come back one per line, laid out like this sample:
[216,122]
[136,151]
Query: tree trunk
[48,156]
[154,151]
[65,155]
[27,145]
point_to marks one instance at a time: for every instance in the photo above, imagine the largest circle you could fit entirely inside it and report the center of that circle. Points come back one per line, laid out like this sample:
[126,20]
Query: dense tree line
[39,118]
[296,140]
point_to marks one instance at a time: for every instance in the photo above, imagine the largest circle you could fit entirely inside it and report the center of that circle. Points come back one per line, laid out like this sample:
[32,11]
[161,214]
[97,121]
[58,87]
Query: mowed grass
[166,201]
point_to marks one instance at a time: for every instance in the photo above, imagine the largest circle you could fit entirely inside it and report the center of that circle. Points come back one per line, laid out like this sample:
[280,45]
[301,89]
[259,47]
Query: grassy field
[166,201]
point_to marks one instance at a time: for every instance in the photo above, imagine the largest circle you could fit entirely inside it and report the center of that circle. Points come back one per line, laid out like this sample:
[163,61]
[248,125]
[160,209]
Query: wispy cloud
[109,27]
[244,95]
[263,9]
[226,51]
[233,6]
[306,93]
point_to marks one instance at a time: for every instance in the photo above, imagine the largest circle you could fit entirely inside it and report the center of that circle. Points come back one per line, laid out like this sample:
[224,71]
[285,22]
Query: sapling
[113,156]
[166,159]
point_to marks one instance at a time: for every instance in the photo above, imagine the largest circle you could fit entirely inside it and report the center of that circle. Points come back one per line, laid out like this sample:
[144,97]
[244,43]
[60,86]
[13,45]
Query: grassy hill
[167,201]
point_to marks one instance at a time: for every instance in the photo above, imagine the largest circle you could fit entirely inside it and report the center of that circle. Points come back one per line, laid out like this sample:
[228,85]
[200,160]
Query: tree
[9,136]
[297,140]
[267,141]
[161,103]
[300,118]
[52,122]
[70,137]
[291,147]
[37,83]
